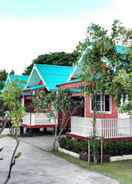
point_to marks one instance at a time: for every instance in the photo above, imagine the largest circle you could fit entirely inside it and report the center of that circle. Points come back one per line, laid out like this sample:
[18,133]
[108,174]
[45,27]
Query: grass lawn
[121,170]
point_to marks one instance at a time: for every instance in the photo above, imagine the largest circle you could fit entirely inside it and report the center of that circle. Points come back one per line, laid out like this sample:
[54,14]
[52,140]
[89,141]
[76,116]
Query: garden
[110,148]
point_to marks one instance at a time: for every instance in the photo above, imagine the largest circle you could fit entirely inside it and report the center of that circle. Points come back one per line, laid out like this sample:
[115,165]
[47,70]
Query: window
[102,103]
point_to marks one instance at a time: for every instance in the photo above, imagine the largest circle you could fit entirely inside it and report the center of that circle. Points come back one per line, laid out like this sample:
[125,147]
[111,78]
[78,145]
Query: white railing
[37,119]
[27,119]
[125,127]
[107,128]
[81,126]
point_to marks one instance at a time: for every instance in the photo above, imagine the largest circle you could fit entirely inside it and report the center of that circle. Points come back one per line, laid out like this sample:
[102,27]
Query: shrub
[111,148]
[118,148]
[76,145]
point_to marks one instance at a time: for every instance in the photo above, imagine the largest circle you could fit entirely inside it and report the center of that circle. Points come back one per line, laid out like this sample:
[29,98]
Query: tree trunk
[55,142]
[94,129]
[101,150]
[89,155]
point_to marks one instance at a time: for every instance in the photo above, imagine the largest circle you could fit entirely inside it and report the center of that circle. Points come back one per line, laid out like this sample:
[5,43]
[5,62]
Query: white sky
[22,39]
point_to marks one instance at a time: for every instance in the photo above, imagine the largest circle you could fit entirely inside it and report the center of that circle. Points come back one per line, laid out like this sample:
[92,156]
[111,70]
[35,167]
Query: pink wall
[88,113]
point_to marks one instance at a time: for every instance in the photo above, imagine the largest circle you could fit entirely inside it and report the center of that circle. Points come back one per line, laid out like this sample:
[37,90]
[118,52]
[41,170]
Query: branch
[67,119]
[13,159]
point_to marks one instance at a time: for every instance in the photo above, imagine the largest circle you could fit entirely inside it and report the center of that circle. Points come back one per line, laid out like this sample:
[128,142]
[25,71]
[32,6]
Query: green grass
[121,170]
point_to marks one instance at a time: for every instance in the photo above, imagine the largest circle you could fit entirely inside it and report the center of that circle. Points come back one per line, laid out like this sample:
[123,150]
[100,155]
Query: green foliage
[3,107]
[114,148]
[123,87]
[12,72]
[53,103]
[95,72]
[105,66]
[118,148]
[3,76]
[11,97]
[16,116]
[40,102]
[73,145]
[56,58]
[105,69]
[77,146]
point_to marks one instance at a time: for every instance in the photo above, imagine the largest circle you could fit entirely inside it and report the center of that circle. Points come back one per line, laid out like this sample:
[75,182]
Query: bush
[118,148]
[76,145]
[110,148]
[72,145]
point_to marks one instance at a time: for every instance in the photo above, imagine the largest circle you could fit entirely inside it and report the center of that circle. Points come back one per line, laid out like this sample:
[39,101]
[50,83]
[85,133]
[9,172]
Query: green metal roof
[23,78]
[120,49]
[53,75]
[19,79]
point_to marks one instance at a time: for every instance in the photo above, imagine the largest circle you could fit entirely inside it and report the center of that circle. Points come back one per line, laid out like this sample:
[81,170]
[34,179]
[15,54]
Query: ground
[38,166]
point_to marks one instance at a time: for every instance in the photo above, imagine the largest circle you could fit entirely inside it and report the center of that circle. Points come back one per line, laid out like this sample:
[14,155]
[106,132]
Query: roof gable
[51,75]
[34,79]
[120,49]
[19,79]
[54,74]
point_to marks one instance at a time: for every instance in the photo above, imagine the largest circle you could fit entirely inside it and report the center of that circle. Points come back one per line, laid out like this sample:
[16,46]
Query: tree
[3,108]
[3,76]
[103,61]
[11,98]
[12,72]
[53,104]
[56,58]
[123,86]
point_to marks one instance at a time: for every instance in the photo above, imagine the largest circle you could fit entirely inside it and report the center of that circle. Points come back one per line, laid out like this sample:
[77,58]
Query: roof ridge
[52,65]
[20,75]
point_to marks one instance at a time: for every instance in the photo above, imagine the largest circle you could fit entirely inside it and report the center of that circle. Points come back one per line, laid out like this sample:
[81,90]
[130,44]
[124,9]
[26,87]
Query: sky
[29,28]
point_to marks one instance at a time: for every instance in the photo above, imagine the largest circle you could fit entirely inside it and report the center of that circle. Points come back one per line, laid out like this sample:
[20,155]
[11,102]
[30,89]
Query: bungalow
[21,80]
[42,78]
[110,124]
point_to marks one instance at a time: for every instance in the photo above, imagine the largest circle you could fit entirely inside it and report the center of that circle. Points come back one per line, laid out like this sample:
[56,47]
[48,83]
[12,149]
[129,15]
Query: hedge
[114,148]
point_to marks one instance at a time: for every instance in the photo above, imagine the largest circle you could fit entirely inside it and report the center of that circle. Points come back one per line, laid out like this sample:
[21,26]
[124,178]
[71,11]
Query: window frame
[102,111]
